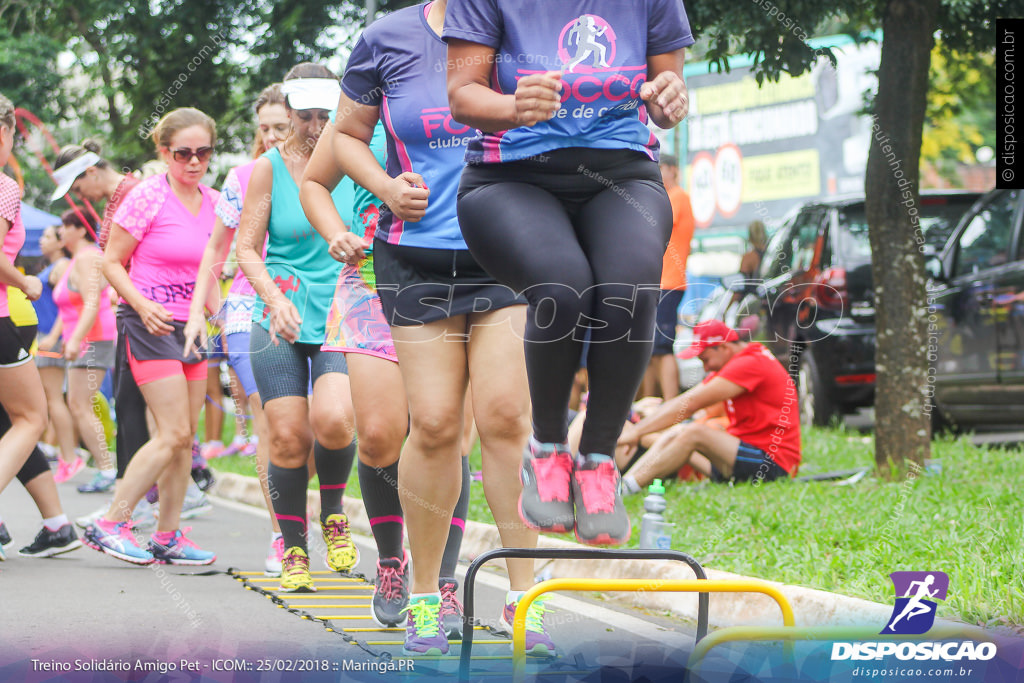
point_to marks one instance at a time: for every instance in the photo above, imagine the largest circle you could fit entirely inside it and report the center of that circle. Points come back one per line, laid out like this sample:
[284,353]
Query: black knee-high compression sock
[458,527]
[288,495]
[379,487]
[333,466]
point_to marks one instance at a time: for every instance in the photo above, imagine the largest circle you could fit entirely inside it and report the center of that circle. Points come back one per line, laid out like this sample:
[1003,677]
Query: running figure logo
[913,612]
[589,38]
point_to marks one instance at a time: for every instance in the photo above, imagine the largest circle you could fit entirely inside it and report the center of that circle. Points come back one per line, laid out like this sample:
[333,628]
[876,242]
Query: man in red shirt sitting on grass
[762,441]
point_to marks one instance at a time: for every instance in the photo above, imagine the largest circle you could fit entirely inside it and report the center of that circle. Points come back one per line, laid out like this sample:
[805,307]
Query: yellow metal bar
[343,616]
[322,606]
[640,585]
[791,633]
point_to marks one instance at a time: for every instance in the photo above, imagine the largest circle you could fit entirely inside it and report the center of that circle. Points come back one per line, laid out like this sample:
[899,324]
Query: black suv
[977,298]
[812,302]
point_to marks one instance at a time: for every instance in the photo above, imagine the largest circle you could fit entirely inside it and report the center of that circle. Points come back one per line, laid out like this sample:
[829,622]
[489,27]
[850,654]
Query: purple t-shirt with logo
[600,46]
[398,64]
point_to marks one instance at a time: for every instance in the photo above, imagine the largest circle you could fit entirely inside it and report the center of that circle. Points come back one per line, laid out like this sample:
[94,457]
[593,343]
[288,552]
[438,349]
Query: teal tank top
[297,257]
[366,207]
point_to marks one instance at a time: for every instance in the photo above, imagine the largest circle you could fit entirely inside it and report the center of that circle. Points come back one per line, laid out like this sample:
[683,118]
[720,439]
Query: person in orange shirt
[663,370]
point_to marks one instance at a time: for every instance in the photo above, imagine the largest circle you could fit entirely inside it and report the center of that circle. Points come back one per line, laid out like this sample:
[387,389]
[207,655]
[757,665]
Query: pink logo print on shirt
[441,117]
[587,43]
[286,286]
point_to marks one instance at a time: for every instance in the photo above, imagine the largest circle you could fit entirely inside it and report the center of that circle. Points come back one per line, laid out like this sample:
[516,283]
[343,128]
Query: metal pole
[371,11]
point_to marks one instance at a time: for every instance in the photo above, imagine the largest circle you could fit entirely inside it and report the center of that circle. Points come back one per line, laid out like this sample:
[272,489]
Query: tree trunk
[902,425]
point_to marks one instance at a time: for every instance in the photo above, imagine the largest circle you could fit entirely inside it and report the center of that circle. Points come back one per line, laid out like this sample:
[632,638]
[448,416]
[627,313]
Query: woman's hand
[666,98]
[284,320]
[407,196]
[33,288]
[195,329]
[49,342]
[538,98]
[155,317]
[629,436]
[347,248]
[73,349]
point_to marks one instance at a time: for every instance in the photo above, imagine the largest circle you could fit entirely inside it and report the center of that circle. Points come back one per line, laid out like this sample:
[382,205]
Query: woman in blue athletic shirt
[450,321]
[563,200]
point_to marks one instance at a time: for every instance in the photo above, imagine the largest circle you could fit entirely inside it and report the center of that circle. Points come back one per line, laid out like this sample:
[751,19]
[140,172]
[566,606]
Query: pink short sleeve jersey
[171,242]
[10,210]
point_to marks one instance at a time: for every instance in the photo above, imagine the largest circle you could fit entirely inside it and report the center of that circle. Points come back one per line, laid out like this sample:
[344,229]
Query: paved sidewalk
[109,620]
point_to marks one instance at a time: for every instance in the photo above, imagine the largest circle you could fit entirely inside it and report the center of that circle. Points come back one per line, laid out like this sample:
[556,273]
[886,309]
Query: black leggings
[582,233]
[129,406]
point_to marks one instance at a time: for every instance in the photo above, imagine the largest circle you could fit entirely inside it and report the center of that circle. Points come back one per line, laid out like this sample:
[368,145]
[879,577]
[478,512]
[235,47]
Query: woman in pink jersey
[273,127]
[161,228]
[21,390]
[88,330]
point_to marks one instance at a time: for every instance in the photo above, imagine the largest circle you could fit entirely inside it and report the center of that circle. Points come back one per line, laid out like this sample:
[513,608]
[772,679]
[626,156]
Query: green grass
[964,520]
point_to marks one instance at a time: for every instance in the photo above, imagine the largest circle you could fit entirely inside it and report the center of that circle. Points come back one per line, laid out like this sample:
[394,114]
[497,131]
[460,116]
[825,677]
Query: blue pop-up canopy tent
[35,222]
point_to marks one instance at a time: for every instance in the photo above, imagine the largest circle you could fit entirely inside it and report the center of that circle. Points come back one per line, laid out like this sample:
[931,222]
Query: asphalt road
[75,617]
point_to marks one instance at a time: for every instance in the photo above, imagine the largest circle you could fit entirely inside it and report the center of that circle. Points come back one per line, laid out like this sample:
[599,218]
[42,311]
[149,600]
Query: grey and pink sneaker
[391,590]
[601,517]
[451,609]
[546,500]
[423,633]
[538,642]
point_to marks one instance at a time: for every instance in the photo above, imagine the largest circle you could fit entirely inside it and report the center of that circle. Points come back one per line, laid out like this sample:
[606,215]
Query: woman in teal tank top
[294,285]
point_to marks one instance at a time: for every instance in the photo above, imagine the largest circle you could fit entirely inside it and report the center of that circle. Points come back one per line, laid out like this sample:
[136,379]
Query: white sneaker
[275,555]
[144,515]
[85,520]
[196,503]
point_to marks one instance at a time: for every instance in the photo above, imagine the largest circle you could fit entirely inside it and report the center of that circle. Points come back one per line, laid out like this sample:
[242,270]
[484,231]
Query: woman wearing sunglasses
[273,126]
[161,228]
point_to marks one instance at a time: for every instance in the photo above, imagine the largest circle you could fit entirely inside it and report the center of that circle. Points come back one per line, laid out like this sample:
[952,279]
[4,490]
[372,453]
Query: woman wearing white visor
[295,282]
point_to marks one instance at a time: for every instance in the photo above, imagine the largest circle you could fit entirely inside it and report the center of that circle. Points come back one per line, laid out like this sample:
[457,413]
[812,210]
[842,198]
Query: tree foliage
[959,116]
[135,61]
[29,75]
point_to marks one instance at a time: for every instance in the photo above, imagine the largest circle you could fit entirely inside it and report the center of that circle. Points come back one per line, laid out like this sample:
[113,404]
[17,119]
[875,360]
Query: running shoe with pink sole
[601,517]
[546,500]
[67,470]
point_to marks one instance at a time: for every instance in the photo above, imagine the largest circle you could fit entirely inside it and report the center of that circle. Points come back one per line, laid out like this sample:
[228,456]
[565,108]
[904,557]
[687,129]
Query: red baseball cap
[709,333]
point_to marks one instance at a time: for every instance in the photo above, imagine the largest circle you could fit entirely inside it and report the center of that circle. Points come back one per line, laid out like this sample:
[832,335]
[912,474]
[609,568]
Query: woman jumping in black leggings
[563,201]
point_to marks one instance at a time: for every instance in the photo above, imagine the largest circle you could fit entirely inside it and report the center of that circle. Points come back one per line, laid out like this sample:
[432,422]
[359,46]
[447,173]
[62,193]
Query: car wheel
[816,407]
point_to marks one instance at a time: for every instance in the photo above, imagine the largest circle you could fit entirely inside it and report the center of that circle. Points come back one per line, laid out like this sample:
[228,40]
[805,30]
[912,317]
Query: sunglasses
[185,154]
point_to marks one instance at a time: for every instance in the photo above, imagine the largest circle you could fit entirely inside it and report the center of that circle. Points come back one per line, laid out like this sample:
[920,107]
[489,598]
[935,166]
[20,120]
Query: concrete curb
[811,607]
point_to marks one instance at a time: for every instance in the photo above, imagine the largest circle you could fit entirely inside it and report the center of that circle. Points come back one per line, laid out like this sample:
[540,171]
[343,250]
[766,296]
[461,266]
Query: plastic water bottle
[655,532]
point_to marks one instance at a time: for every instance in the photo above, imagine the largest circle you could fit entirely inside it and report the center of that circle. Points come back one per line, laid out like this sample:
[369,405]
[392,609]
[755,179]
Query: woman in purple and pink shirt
[562,200]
